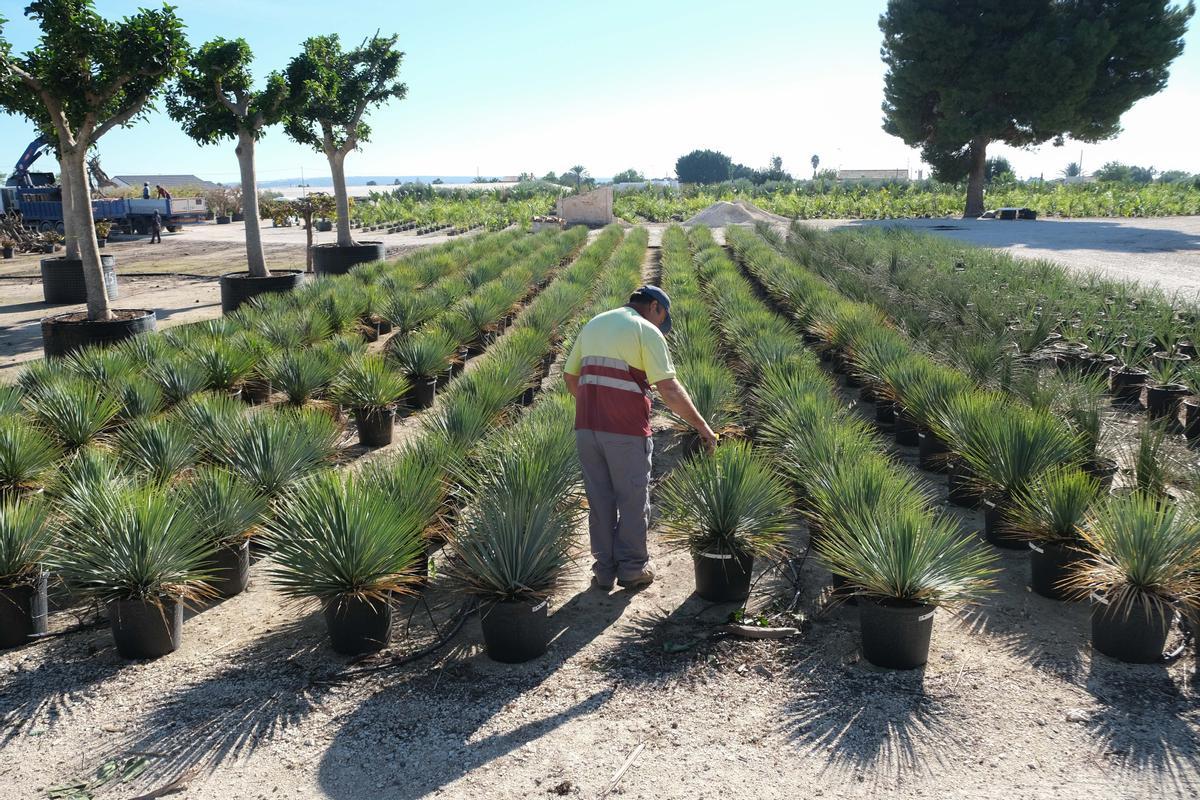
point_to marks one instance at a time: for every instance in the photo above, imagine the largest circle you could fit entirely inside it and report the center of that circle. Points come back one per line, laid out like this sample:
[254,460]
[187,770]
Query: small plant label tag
[1033,546]
[924,617]
[719,556]
[540,605]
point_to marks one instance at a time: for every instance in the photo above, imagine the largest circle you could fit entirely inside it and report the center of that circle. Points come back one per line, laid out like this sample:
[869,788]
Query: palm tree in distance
[578,171]
[1071,170]
[816,160]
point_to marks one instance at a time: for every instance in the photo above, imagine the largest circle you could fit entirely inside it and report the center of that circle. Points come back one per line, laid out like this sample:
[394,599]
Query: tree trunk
[85,227]
[338,170]
[255,260]
[70,235]
[975,206]
[308,233]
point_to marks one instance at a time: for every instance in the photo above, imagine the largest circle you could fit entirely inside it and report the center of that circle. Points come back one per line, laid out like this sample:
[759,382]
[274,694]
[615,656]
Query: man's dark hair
[639,299]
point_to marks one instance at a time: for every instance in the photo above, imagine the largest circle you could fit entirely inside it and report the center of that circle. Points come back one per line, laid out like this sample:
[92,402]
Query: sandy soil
[1013,703]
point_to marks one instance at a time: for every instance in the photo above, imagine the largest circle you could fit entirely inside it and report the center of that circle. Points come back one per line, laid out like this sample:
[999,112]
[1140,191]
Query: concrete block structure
[594,208]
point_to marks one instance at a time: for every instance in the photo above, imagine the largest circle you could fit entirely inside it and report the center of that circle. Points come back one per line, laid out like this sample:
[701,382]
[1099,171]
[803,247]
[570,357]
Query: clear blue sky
[512,86]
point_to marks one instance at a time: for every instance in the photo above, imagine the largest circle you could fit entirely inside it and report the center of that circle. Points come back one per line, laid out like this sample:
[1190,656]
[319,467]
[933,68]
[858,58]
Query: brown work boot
[639,581]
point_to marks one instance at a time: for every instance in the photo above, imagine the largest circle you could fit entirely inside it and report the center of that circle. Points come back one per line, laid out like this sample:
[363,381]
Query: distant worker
[145,190]
[156,228]
[615,360]
[163,194]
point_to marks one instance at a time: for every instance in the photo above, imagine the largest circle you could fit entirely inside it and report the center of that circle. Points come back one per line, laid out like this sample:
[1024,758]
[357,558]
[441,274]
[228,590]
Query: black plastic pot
[1098,363]
[422,393]
[223,220]
[515,631]
[230,568]
[142,629]
[1162,400]
[933,452]
[723,577]
[867,393]
[528,396]
[1126,383]
[962,486]
[375,425]
[62,279]
[1135,634]
[65,333]
[256,391]
[895,634]
[1103,470]
[1191,417]
[994,525]
[324,225]
[1049,565]
[885,412]
[241,287]
[906,431]
[238,216]
[329,259]
[357,625]
[6,253]
[22,612]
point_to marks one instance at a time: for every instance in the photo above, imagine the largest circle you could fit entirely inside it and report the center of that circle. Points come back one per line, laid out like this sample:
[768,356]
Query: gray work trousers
[616,477]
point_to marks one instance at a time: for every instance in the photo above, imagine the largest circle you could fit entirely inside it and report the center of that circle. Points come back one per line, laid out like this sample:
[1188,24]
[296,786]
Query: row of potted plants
[267,452]
[868,520]
[1037,477]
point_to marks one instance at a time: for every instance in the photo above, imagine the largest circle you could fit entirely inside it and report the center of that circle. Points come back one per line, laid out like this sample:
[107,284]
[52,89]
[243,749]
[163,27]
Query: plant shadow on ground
[1147,723]
[35,700]
[382,749]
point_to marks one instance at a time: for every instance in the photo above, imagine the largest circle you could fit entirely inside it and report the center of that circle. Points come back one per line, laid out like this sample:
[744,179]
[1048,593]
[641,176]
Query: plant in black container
[337,539]
[516,536]
[27,456]
[904,563]
[1165,390]
[423,356]
[1049,513]
[726,508]
[141,552]
[25,537]
[274,449]
[227,509]
[371,388]
[72,410]
[1143,568]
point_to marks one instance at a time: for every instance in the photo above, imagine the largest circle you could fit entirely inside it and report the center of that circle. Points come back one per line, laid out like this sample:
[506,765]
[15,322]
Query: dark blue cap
[655,293]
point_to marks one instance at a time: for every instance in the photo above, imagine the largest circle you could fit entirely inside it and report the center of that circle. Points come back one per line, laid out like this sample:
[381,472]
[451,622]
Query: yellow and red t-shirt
[618,356]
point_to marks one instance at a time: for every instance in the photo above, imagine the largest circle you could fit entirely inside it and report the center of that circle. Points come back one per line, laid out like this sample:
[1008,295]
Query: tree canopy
[215,97]
[965,73]
[703,166]
[628,176]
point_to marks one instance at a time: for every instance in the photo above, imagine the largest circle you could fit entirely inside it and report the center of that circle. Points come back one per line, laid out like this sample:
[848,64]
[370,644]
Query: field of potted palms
[1022,429]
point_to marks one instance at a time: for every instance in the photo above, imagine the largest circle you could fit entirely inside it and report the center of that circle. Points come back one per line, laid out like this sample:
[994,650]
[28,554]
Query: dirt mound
[723,213]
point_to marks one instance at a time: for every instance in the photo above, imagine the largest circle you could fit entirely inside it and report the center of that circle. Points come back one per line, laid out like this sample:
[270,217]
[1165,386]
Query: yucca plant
[369,383]
[228,510]
[179,377]
[726,509]
[11,396]
[337,539]
[713,390]
[274,450]
[1144,565]
[25,537]
[1154,467]
[73,411]
[414,478]
[140,551]
[224,363]
[300,374]
[26,455]
[211,418]
[158,451]
[138,397]
[1049,513]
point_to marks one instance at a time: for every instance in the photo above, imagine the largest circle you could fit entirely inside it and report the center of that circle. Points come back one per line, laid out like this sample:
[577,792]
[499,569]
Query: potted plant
[1127,381]
[515,538]
[7,246]
[1144,566]
[300,374]
[27,456]
[139,551]
[156,450]
[423,356]
[337,539]
[50,241]
[72,410]
[25,537]
[228,509]
[103,229]
[371,389]
[726,509]
[904,563]
[1049,513]
[275,449]
[1165,390]
[1078,401]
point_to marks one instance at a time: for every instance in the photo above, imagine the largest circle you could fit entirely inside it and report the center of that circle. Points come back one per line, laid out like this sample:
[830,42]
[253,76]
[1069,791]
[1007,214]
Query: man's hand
[677,399]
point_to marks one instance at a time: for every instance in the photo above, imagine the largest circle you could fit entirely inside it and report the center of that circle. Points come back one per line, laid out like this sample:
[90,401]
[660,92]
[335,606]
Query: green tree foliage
[88,75]
[965,73]
[1125,173]
[332,90]
[998,169]
[579,171]
[215,99]
[704,166]
[628,176]
[1072,170]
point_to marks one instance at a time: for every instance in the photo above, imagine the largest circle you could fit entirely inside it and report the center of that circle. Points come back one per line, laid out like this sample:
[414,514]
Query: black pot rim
[275,273]
[896,603]
[334,246]
[56,319]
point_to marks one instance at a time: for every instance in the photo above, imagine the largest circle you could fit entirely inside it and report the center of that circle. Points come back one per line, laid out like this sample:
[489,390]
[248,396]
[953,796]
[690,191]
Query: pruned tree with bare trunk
[88,75]
[332,90]
[962,74]
[214,99]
